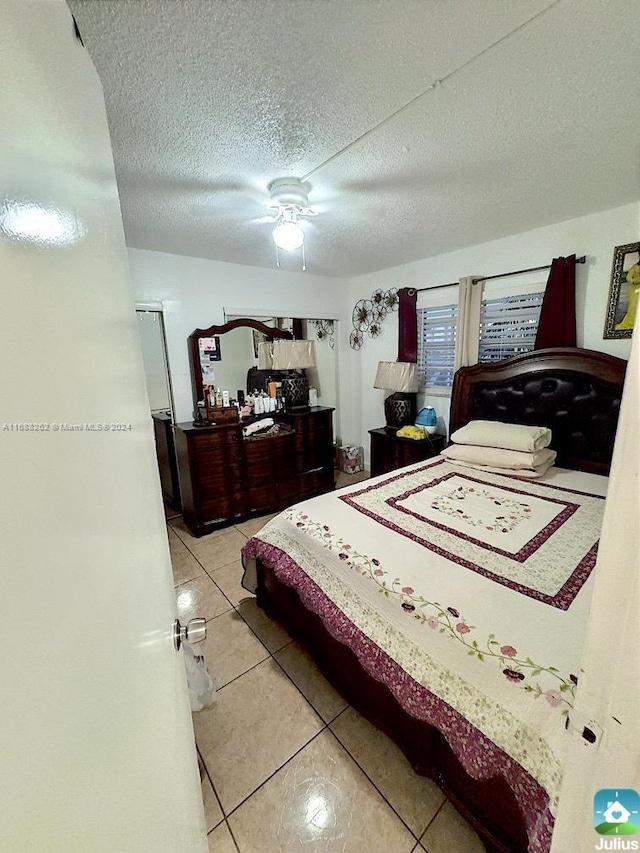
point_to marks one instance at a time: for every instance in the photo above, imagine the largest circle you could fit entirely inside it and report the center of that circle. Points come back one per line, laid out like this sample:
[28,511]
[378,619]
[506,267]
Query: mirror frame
[194,352]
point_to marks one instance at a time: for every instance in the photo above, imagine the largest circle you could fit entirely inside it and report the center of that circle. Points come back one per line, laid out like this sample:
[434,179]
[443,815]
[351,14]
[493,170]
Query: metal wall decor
[368,314]
[325,331]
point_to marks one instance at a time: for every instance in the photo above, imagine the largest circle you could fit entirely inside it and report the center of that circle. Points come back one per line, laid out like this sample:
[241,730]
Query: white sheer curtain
[468,325]
[608,696]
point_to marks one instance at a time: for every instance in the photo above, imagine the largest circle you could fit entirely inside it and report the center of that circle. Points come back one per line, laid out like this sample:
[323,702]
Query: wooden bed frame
[577,393]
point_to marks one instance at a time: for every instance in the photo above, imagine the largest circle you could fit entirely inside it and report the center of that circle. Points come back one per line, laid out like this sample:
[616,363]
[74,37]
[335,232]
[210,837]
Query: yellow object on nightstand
[415,432]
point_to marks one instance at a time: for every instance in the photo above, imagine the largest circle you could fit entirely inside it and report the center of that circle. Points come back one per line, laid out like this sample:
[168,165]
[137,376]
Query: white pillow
[507,436]
[521,473]
[498,457]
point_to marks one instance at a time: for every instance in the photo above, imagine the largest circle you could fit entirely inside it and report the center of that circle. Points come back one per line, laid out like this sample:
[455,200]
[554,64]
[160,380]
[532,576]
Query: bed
[449,605]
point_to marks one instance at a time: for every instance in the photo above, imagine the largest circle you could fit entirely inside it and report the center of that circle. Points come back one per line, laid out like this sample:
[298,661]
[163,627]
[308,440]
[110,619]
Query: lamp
[294,355]
[288,235]
[265,355]
[402,378]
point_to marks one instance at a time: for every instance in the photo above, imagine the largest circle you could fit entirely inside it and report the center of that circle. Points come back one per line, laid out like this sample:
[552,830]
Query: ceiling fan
[289,205]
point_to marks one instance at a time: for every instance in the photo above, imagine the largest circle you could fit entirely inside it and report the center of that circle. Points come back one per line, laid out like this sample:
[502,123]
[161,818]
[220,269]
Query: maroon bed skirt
[489,804]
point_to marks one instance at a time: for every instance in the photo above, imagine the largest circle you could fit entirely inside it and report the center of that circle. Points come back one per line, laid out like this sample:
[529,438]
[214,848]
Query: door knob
[193,632]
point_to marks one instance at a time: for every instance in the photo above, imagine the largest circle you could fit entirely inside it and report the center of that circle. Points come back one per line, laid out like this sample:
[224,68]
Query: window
[437,344]
[508,325]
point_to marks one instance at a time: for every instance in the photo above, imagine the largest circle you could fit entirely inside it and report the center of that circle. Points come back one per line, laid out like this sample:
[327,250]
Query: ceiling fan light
[288,236]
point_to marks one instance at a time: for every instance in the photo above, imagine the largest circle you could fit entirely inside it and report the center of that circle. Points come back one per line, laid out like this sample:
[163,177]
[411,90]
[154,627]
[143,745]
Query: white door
[96,745]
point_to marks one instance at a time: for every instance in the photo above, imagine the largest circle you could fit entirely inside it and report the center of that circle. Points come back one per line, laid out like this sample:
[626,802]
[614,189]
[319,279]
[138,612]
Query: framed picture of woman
[623,292]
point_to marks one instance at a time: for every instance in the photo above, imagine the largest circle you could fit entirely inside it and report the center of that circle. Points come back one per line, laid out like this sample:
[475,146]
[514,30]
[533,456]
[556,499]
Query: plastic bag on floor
[202,693]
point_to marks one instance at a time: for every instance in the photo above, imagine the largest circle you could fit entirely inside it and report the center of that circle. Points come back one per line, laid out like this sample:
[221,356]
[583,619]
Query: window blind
[508,325]
[437,344]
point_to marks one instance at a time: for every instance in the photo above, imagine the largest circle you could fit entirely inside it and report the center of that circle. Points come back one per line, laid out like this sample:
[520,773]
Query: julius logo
[616,813]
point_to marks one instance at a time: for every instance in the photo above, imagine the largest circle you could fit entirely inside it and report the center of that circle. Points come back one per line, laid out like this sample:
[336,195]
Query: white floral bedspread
[476,584]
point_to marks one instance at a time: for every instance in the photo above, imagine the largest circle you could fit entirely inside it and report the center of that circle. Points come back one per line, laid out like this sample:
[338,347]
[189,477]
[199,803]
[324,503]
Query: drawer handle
[314,470]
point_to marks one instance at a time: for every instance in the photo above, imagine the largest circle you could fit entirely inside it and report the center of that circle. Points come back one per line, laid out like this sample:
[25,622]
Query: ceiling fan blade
[267,218]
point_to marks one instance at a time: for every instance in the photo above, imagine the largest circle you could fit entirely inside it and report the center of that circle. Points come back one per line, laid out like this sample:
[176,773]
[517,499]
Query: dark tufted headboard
[574,392]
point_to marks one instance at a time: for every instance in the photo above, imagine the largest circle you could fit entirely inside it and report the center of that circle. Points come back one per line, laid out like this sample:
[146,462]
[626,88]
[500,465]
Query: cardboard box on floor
[350,459]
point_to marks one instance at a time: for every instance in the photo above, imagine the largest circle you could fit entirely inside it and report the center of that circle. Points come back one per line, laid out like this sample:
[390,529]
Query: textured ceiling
[536,120]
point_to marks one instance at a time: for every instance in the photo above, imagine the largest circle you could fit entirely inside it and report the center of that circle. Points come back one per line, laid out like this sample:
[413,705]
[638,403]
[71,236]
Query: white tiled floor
[286,764]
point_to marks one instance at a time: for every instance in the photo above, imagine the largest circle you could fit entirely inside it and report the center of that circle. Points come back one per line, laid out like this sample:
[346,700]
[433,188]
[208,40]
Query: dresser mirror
[323,378]
[224,355]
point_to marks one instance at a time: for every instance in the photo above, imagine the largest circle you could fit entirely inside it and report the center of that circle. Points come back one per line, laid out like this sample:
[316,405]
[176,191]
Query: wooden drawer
[406,454]
[318,457]
[230,472]
[257,452]
[217,452]
[289,491]
[317,482]
[286,467]
[215,439]
[270,460]
[260,475]
[232,469]
[319,430]
[221,507]
[261,498]
[264,449]
[260,470]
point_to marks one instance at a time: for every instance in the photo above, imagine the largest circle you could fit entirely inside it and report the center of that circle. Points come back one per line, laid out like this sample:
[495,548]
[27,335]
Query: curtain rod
[581,260]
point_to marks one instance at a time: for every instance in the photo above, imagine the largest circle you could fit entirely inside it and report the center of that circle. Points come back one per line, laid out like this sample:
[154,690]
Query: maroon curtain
[408,324]
[557,325]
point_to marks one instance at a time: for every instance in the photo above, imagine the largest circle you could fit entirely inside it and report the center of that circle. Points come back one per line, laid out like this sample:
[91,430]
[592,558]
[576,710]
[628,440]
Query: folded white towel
[498,457]
[507,436]
[256,426]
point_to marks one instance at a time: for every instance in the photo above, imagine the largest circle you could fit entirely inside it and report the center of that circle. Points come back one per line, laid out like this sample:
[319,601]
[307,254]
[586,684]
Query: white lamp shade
[293,355]
[265,355]
[397,376]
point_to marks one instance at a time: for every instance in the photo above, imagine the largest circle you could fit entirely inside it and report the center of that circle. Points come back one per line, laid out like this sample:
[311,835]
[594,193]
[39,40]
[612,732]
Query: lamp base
[295,392]
[399,410]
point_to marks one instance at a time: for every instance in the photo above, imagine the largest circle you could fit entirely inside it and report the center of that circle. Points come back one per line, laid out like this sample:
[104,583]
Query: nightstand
[389,452]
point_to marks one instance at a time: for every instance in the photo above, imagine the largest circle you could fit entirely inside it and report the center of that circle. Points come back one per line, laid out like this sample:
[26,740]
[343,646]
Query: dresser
[225,478]
[389,452]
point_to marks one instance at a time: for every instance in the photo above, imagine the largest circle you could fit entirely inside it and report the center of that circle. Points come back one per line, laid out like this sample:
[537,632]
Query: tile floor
[286,765]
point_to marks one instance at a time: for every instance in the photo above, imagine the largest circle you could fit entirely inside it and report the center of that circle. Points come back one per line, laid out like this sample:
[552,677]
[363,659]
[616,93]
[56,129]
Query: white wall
[194,293]
[594,236]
